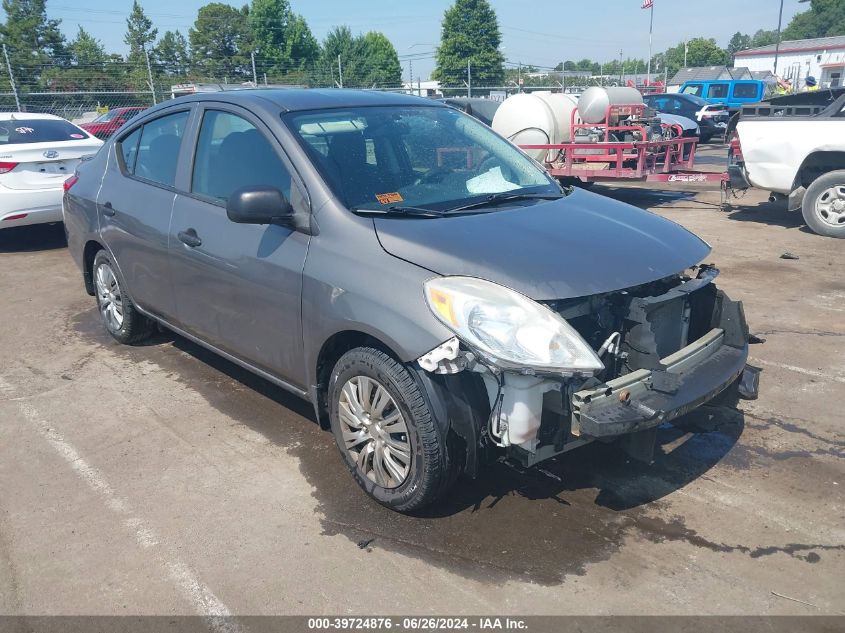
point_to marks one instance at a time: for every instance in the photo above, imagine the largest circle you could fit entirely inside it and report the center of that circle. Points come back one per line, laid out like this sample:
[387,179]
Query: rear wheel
[824,204]
[385,431]
[116,309]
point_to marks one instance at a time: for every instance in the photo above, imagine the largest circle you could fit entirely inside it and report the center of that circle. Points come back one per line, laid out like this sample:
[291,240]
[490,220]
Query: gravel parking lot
[160,479]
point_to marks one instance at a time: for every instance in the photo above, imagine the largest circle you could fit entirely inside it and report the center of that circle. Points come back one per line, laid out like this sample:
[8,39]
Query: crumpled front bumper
[646,398]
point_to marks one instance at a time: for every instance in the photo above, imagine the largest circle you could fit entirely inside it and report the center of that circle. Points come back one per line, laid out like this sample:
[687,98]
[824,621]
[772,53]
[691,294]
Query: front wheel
[823,207]
[386,432]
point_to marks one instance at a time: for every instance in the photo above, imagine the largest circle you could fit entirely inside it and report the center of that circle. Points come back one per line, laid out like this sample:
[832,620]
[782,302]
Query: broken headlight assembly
[508,329]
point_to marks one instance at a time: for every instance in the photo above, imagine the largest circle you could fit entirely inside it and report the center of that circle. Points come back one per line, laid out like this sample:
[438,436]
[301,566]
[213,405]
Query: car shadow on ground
[38,237]
[770,213]
[538,524]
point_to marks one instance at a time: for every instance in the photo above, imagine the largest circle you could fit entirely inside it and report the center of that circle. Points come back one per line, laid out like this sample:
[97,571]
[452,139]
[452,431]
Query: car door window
[158,148]
[692,89]
[129,150]
[231,154]
[717,91]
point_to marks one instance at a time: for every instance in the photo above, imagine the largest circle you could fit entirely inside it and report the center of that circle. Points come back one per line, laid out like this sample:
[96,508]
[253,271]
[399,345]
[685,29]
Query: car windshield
[415,156]
[16,131]
[106,117]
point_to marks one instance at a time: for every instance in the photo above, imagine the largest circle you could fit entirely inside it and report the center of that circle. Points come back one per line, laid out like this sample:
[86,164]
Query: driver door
[238,286]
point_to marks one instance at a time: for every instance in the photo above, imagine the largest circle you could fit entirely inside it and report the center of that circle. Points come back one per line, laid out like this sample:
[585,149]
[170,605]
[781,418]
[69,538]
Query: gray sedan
[438,298]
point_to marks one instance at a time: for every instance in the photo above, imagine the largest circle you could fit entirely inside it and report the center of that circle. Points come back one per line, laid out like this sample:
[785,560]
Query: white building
[822,58]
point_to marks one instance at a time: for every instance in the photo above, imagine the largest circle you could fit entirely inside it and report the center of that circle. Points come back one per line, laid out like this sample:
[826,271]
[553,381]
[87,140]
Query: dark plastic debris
[363,544]
[749,383]
[788,255]
[753,339]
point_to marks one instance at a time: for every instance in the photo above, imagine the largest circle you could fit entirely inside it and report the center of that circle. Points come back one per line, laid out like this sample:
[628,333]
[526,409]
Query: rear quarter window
[745,91]
[18,131]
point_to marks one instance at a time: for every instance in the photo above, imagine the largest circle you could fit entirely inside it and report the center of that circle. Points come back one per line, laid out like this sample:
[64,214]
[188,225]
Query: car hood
[579,245]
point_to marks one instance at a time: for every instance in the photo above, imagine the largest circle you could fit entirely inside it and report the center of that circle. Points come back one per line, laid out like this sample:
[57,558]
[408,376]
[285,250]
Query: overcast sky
[538,32]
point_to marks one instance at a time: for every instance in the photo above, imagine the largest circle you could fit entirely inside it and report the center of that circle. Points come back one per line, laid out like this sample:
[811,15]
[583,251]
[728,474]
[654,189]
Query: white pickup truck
[795,156]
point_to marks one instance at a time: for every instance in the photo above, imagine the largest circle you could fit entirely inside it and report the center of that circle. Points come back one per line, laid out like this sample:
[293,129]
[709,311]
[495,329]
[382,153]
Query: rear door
[135,203]
[238,286]
[717,92]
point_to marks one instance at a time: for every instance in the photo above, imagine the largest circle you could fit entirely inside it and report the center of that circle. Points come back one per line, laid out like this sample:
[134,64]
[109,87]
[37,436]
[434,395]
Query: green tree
[171,54]
[700,52]
[221,42]
[763,38]
[34,42]
[824,18]
[269,21]
[302,48]
[340,43]
[379,61]
[140,34]
[281,37]
[470,35]
[86,50]
[739,42]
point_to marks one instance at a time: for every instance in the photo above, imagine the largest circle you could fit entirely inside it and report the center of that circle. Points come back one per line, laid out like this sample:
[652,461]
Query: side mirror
[259,205]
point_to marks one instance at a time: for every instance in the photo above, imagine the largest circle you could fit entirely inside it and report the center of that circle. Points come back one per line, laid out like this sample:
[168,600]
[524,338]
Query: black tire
[817,219]
[430,472]
[134,326]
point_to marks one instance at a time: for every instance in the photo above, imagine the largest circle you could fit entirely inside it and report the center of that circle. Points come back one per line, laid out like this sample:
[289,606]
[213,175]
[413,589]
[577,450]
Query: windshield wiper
[493,198]
[408,211]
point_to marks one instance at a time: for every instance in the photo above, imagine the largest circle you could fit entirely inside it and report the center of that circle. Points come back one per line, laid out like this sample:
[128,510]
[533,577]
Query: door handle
[189,237]
[108,209]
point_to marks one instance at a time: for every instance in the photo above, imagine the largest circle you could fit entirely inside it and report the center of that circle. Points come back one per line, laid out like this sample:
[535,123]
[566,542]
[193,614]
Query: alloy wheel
[374,431]
[109,297]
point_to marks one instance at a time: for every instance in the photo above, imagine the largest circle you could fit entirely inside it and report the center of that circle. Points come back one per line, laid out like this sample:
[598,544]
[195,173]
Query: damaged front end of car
[539,380]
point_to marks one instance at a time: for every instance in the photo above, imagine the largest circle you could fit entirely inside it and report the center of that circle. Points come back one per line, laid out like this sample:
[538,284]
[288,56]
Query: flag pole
[650,30]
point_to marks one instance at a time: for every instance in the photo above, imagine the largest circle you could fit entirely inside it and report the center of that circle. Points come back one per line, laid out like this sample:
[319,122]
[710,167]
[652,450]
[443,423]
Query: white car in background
[38,152]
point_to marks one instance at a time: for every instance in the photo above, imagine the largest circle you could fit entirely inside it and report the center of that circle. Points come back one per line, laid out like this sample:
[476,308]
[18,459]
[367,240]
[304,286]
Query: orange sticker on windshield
[389,198]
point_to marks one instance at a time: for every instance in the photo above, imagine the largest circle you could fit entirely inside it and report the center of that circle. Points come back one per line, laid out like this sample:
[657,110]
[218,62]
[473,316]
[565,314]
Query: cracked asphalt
[160,479]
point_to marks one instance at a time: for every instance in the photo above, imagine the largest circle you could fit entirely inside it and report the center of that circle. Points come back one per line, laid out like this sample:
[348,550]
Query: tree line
[470,33]
[264,39]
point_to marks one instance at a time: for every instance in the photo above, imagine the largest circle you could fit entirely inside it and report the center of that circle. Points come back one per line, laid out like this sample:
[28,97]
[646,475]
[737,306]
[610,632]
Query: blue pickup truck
[733,93]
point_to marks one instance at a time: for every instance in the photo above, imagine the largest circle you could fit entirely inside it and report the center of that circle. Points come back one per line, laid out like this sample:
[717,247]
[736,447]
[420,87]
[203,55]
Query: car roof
[311,98]
[29,116]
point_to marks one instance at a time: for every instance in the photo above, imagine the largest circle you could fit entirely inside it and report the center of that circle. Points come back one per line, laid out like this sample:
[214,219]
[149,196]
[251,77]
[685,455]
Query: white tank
[561,106]
[535,119]
[594,101]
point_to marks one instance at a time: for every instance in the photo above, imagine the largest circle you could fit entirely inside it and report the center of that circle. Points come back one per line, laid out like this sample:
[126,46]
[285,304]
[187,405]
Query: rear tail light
[17,216]
[5,168]
[70,182]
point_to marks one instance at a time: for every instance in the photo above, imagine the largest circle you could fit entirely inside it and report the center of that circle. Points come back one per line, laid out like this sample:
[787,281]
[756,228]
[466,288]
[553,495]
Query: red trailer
[640,158]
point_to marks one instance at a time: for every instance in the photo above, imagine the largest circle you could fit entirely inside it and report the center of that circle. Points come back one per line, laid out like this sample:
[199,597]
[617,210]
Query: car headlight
[507,327]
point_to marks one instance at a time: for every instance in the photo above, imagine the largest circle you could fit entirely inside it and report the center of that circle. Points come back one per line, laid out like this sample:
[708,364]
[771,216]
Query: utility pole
[519,77]
[650,30]
[686,50]
[12,78]
[419,88]
[777,43]
[469,78]
[621,66]
[340,71]
[254,74]
[150,75]
[265,79]
[411,74]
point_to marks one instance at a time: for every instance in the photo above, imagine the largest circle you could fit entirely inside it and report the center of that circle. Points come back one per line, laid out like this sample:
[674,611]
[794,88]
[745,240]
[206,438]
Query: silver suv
[431,290]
